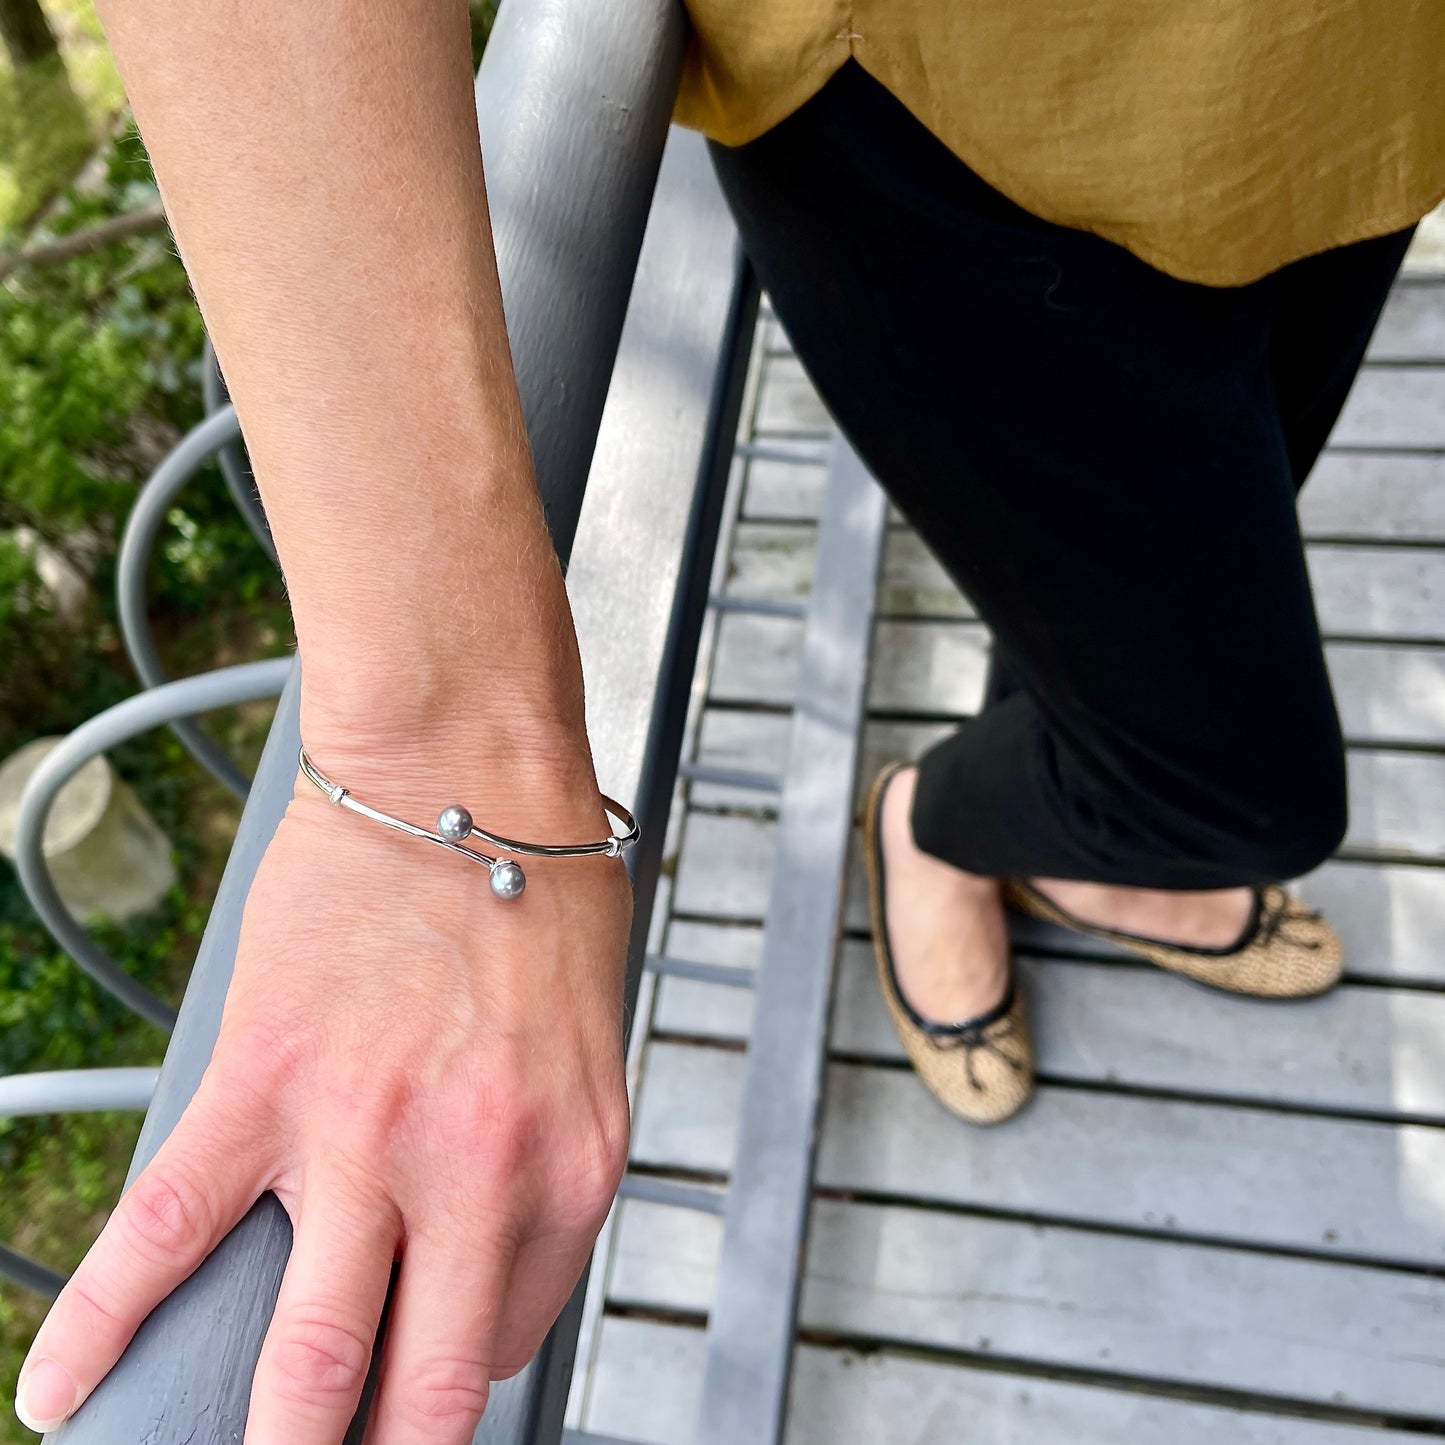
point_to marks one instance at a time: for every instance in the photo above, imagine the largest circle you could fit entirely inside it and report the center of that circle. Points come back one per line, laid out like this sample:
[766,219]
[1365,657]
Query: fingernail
[46,1396]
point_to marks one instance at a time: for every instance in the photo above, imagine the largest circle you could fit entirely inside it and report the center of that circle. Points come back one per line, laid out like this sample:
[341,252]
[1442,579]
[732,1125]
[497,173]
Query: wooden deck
[1221,1220]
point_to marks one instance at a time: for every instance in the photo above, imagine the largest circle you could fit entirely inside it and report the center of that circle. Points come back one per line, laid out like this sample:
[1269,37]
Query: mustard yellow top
[1216,139]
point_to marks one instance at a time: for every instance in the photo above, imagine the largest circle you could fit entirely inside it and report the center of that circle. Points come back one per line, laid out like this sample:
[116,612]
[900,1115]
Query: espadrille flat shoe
[1285,951]
[981,1069]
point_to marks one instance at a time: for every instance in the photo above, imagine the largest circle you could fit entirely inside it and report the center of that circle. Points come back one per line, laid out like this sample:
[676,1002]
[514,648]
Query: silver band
[455,825]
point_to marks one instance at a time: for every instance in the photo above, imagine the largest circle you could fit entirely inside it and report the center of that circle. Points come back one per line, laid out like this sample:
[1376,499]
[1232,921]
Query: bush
[99,377]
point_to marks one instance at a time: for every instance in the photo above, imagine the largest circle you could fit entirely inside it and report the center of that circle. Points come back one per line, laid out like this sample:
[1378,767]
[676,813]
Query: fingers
[544,1274]
[437,1360]
[318,1348]
[463,1317]
[202,1180]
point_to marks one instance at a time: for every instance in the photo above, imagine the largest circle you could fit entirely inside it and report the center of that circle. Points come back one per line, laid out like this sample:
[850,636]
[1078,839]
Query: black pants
[1106,460]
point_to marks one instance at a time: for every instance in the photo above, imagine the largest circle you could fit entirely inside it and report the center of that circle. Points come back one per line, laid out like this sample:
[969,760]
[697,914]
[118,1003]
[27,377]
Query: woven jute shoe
[981,1069]
[1285,951]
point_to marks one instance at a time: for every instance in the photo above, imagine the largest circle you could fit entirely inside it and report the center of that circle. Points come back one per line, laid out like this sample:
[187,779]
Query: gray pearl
[508,880]
[454,823]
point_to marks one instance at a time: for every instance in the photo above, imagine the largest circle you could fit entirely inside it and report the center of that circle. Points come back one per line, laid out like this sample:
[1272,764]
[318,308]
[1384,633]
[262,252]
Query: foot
[1213,919]
[946,928]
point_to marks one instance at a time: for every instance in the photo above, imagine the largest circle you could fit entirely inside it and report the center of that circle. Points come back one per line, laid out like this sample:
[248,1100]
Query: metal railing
[630,348]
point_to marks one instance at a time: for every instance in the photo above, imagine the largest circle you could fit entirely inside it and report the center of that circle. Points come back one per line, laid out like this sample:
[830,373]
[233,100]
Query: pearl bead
[508,880]
[454,823]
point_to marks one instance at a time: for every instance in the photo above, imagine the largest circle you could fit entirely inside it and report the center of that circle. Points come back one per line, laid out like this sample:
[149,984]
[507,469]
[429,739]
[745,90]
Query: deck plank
[1069,1298]
[1359,1050]
[1411,327]
[1387,694]
[778,491]
[1394,408]
[1396,592]
[1360,591]
[1397,798]
[1397,804]
[1213,1172]
[1388,407]
[1375,497]
[788,405]
[1362,496]
[1391,917]
[649,1379]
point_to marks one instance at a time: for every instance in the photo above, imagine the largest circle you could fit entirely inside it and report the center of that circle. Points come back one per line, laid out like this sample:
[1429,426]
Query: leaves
[99,376]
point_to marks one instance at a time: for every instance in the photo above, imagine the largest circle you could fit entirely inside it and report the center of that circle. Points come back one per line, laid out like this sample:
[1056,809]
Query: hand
[419,1071]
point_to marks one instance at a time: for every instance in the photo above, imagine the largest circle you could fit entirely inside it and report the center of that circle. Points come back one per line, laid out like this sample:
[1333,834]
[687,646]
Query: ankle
[948,936]
[1214,918]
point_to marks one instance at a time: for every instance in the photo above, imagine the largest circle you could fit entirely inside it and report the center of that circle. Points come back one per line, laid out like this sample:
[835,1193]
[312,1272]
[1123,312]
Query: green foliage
[44,131]
[57,441]
[53,112]
[99,377]
[483,16]
[88,353]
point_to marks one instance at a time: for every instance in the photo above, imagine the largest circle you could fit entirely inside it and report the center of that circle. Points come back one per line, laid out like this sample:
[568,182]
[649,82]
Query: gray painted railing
[574,98]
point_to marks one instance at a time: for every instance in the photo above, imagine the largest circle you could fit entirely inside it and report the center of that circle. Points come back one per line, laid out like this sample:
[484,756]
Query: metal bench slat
[1136,1309]
[750,1336]
[844,1397]
[1209,1171]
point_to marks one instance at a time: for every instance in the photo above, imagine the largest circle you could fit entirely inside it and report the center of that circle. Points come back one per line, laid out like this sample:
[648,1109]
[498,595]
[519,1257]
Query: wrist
[522,776]
[421,679]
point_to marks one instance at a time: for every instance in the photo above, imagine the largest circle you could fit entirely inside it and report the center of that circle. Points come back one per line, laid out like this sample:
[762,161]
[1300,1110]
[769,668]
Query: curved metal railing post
[246,682]
[65,1091]
[154,501]
[574,98]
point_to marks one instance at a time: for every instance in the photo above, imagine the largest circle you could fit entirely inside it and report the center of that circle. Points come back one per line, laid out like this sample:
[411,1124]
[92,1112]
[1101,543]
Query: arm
[416,1069]
[323,174]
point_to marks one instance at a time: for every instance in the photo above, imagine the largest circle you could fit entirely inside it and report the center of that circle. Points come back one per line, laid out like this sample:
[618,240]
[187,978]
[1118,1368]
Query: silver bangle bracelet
[455,826]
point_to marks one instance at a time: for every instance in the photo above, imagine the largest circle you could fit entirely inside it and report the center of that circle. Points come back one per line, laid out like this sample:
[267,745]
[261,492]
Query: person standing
[1086,287]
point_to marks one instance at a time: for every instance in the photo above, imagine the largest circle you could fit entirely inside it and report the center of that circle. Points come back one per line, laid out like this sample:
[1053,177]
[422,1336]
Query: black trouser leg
[1325,309]
[1105,459]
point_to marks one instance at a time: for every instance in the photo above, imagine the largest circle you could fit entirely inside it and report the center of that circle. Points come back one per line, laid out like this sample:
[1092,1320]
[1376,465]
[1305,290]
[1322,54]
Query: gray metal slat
[1213,1172]
[1174,1314]
[758,606]
[723,974]
[639,644]
[730,777]
[672,1194]
[1370,1052]
[886,1397]
[750,1337]
[805,456]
